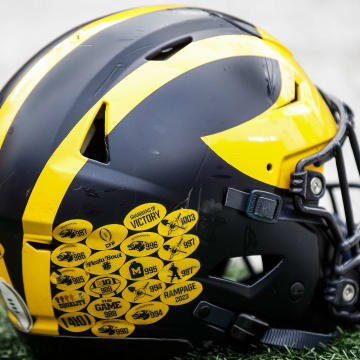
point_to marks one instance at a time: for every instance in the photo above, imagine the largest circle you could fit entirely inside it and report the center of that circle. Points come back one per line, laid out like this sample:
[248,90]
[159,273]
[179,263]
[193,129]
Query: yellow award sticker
[69,278]
[113,328]
[180,294]
[178,222]
[179,247]
[106,285]
[76,322]
[107,237]
[143,291]
[147,313]
[141,268]
[104,262]
[145,216]
[70,301]
[72,231]
[108,307]
[142,244]
[179,271]
[70,255]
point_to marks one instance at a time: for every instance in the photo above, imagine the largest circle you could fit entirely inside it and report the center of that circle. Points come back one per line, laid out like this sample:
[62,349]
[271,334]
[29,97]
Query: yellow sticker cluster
[111,279]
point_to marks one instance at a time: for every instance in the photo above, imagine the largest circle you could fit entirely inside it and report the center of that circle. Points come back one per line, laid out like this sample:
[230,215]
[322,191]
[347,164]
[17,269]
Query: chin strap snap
[247,329]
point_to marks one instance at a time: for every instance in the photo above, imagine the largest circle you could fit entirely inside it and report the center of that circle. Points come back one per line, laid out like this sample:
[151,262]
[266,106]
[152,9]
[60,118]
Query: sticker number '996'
[142,244]
[70,255]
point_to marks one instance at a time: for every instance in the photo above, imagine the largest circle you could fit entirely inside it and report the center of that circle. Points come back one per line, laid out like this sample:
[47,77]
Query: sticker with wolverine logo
[144,217]
[72,231]
[148,313]
[108,307]
[69,278]
[106,285]
[113,328]
[70,301]
[142,244]
[107,237]
[178,222]
[70,255]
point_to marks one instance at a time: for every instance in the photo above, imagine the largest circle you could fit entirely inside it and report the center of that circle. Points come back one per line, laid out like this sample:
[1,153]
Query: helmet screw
[348,293]
[204,312]
[296,291]
[316,185]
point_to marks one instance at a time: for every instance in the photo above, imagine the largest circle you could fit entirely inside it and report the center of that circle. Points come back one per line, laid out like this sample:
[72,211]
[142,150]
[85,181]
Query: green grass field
[346,347]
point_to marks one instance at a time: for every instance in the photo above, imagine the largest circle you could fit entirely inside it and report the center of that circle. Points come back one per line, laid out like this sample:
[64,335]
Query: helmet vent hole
[95,145]
[269,167]
[168,50]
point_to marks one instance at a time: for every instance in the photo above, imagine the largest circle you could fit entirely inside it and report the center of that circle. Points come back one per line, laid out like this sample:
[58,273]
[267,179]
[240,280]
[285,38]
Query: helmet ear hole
[246,270]
[269,167]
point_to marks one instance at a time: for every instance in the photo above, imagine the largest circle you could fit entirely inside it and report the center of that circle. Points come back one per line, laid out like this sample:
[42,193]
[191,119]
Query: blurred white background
[324,35]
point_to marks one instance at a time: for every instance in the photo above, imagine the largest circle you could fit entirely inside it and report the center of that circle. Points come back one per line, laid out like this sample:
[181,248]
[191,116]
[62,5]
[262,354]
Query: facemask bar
[308,187]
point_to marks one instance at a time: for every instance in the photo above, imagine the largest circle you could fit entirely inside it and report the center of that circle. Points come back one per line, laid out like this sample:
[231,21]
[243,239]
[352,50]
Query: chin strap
[296,339]
[247,329]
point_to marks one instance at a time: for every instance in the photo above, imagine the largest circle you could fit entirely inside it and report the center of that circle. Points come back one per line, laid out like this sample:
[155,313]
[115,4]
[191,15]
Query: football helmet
[161,170]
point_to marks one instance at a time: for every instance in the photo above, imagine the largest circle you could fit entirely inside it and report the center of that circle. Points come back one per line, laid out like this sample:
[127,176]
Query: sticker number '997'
[119,276]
